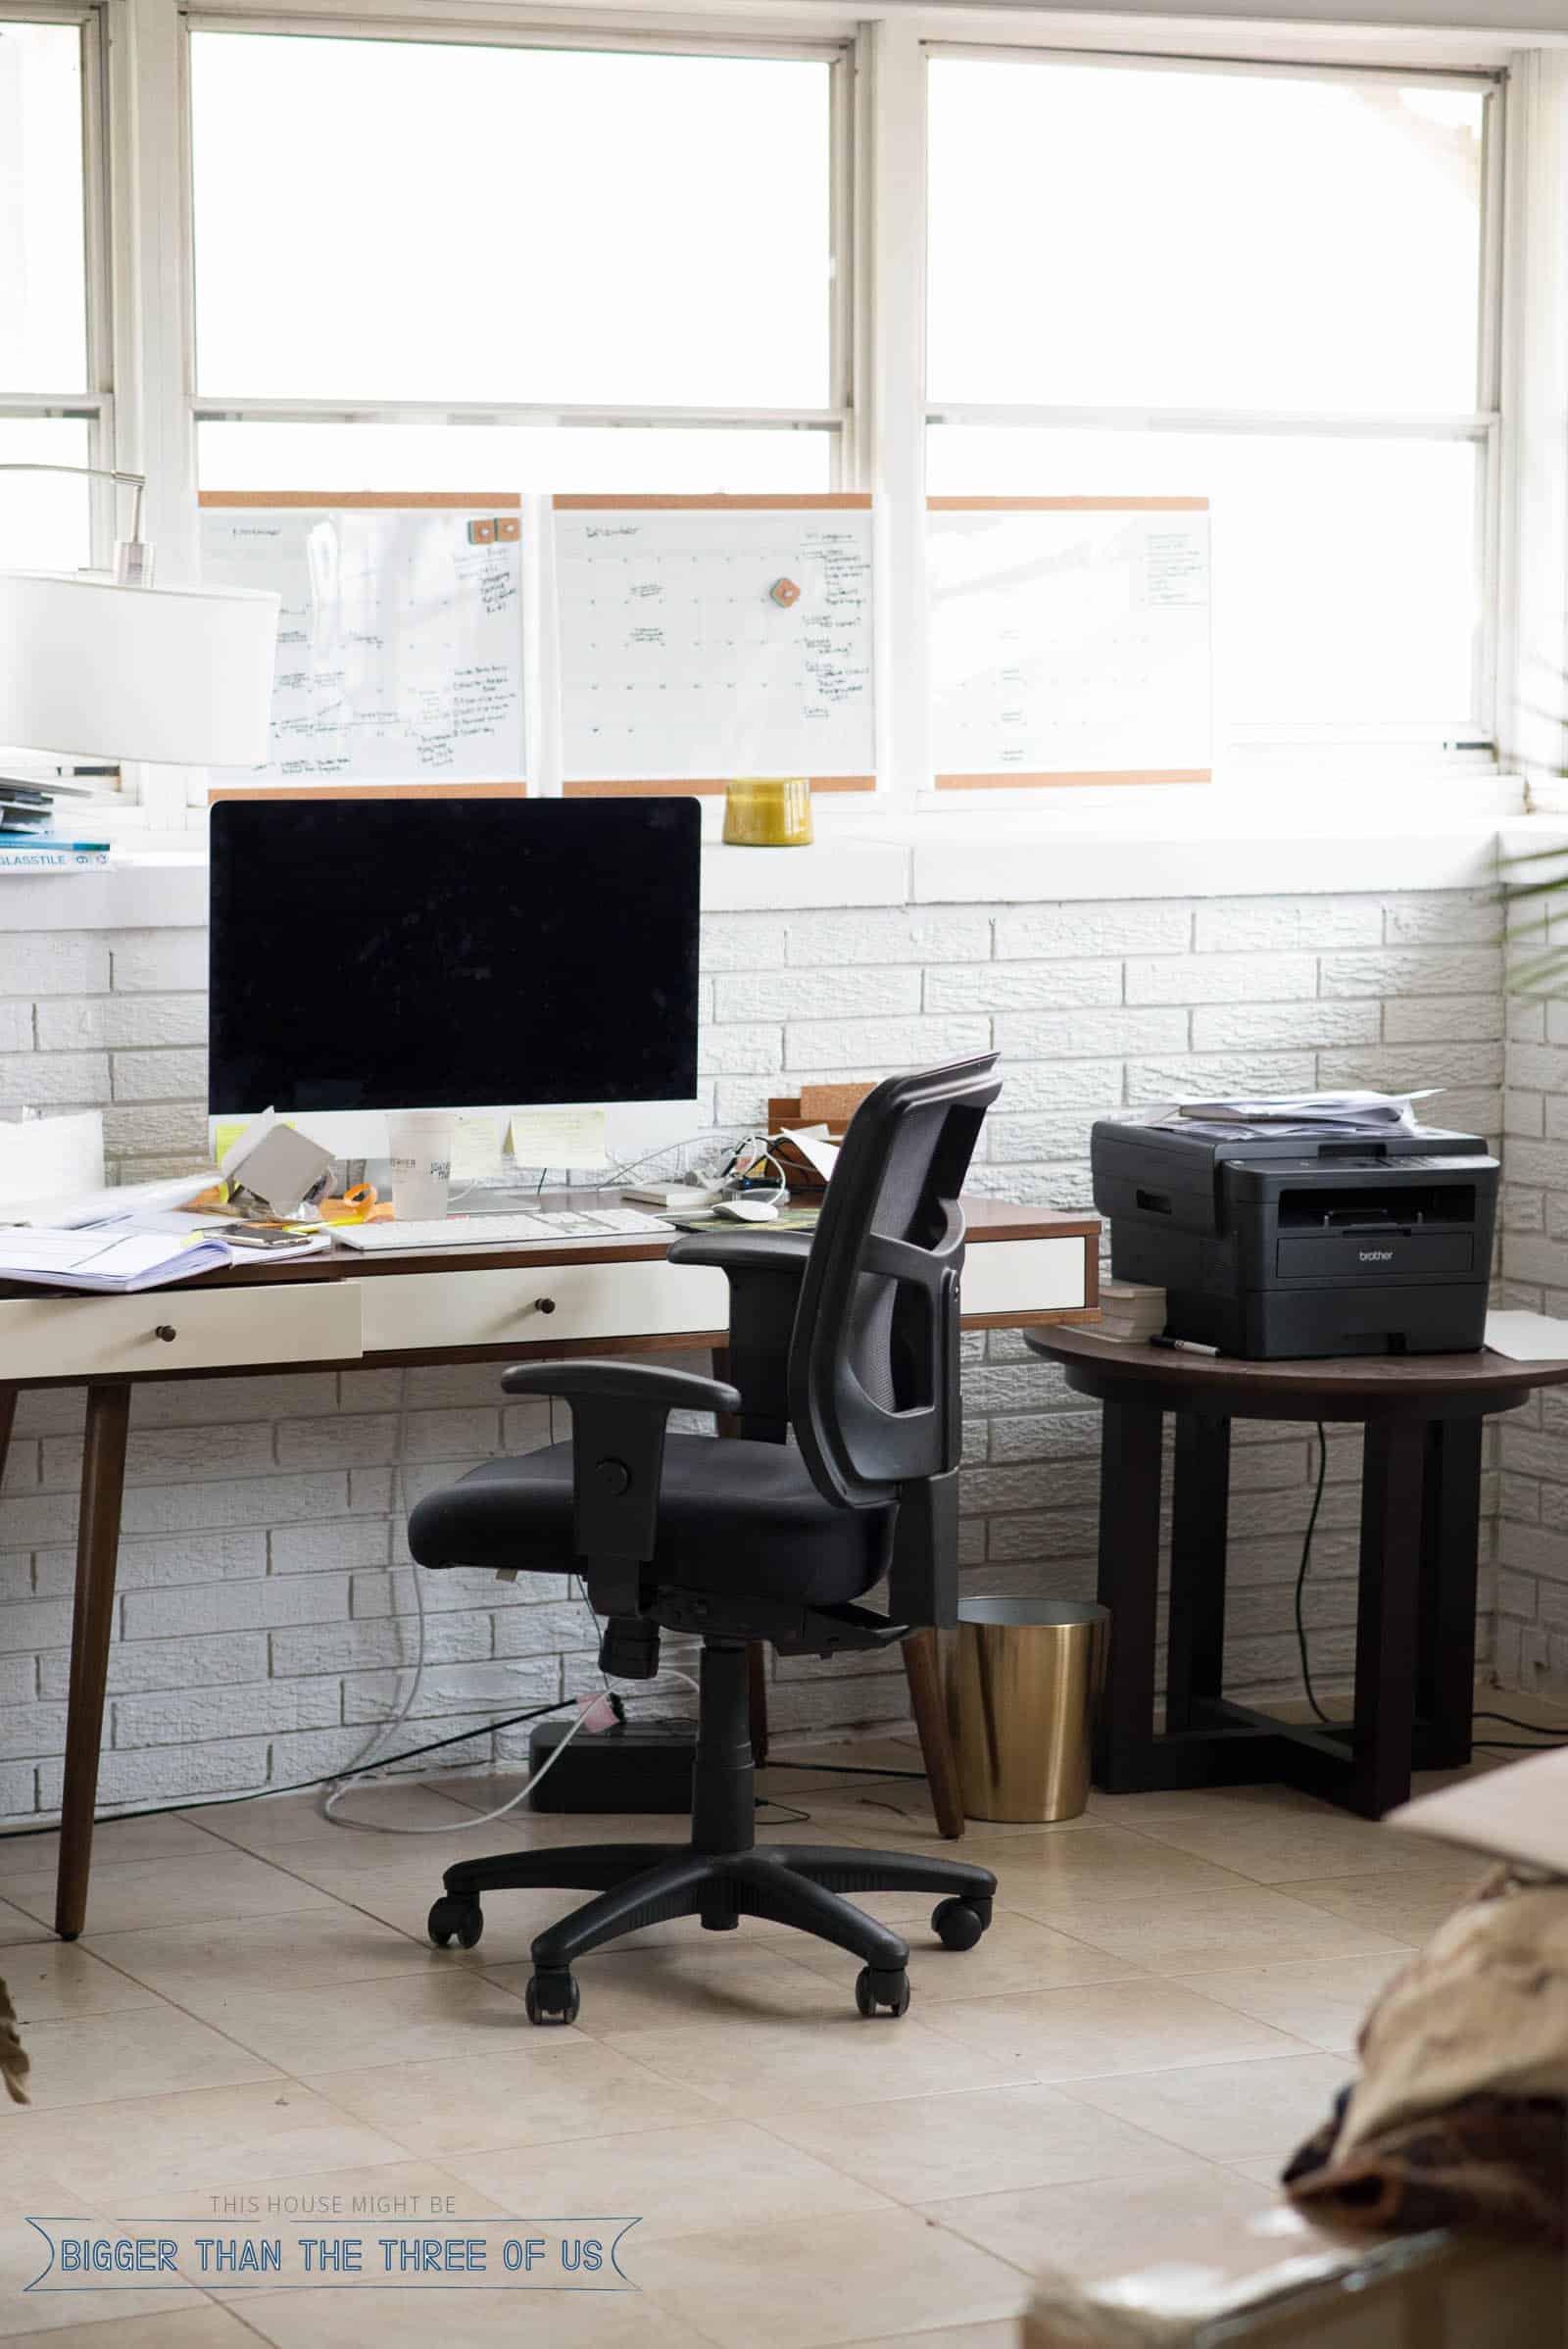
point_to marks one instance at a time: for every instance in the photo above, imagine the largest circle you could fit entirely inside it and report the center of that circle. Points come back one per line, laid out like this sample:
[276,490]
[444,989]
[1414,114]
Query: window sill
[1216,844]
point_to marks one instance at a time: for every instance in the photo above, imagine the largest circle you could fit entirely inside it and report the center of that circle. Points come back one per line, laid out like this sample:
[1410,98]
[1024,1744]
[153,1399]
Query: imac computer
[483,956]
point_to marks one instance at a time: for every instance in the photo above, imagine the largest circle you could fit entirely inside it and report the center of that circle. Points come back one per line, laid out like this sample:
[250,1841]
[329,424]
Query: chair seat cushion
[733,1516]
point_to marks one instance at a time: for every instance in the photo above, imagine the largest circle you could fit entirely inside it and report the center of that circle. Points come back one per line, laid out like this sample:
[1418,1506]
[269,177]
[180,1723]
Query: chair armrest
[646,1385]
[619,1415]
[765,1270]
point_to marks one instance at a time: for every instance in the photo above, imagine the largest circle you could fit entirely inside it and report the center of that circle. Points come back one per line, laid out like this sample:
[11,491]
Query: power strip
[640,1765]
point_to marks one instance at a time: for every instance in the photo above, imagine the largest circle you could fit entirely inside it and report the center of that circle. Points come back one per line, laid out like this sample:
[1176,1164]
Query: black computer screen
[434,954]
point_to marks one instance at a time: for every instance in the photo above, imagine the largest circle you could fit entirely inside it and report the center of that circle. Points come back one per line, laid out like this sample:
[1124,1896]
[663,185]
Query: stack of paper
[115,1263]
[1333,1113]
[1130,1313]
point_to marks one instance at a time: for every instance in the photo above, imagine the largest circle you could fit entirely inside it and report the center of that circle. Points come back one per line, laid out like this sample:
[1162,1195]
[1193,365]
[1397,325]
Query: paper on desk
[562,1138]
[1528,1336]
[115,1263]
[48,1157]
[812,1143]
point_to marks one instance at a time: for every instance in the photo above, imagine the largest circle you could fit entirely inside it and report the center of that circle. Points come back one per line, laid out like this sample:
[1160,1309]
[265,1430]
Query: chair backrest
[873,1367]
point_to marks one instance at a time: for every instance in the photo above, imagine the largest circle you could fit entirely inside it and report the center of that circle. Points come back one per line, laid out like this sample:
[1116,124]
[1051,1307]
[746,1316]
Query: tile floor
[1164,2005]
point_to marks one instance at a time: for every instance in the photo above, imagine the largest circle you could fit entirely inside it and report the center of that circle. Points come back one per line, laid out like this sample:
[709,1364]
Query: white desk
[1025,1266]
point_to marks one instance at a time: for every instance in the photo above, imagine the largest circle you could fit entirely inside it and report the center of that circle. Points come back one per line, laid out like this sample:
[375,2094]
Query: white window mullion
[896,295]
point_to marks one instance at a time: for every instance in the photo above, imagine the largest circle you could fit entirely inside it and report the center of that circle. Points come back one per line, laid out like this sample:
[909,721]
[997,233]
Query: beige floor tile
[1225,2111]
[208,2139]
[448,2011]
[1090,2232]
[1320,2000]
[1282,1847]
[203,2326]
[1176,1935]
[114,1843]
[293,1818]
[1260,2169]
[142,2051]
[466,2318]
[51,1981]
[1001,2334]
[1016,1955]
[128,1893]
[628,1991]
[1113,2027]
[1407,1908]
[383,2192]
[551,2088]
[833,2280]
[719,2173]
[215,1968]
[757,2067]
[17,1924]
[984,2141]
[1049,1876]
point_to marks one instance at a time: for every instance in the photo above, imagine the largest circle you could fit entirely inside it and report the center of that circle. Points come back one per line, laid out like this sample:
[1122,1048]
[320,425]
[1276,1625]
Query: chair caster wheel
[456,1917]
[552,1997]
[958,1924]
[874,1988]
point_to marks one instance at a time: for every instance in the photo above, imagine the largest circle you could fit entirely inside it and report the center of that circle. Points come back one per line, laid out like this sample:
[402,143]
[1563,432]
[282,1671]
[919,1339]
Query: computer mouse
[747,1210]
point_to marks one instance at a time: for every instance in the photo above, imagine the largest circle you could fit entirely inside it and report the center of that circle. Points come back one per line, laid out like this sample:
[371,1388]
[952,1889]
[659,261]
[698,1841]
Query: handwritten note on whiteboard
[1069,640]
[399,643]
[720,638]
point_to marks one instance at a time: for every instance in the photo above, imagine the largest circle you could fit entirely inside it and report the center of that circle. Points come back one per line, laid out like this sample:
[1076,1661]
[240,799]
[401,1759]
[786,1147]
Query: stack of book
[1130,1313]
[39,836]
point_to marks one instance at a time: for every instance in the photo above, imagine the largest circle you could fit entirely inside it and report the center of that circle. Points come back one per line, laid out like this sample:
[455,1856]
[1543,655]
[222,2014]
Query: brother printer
[1273,1245]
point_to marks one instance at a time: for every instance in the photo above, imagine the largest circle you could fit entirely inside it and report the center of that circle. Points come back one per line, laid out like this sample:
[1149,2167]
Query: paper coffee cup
[420,1149]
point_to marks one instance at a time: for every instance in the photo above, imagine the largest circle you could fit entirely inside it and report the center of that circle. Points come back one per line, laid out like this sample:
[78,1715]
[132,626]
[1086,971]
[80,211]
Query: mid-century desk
[343,1312]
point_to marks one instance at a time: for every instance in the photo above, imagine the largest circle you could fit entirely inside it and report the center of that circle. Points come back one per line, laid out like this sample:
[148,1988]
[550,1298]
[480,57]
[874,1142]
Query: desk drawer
[1002,1277]
[643,1299]
[213,1329]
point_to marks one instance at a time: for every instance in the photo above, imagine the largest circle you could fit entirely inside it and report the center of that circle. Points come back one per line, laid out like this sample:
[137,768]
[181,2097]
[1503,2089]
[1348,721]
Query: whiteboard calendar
[400,641]
[1071,640]
[715,637]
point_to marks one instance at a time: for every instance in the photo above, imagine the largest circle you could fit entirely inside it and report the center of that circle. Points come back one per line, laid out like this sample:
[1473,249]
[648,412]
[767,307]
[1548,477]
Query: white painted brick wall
[265,1610]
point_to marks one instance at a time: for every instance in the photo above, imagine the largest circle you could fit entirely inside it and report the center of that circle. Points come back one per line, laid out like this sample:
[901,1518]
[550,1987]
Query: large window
[1267,287]
[50,412]
[532,267]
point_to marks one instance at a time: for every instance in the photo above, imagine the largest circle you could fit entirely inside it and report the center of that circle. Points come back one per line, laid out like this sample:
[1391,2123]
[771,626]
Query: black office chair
[851,1338]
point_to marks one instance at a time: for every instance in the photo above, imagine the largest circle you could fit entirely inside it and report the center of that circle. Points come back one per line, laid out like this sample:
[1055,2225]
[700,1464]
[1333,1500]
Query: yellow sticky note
[557,1137]
[475,1149]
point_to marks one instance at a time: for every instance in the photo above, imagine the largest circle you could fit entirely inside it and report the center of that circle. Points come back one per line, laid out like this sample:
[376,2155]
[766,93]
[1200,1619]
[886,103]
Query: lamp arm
[133,566]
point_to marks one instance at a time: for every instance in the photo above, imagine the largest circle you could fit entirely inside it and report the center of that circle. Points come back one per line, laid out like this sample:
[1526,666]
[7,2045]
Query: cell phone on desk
[259,1235]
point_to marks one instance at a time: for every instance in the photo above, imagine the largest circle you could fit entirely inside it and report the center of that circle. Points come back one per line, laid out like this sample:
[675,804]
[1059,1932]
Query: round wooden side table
[1415,1635]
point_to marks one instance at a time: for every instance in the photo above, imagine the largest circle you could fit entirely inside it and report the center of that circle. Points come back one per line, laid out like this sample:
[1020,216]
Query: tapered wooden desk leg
[922,1665]
[103,1479]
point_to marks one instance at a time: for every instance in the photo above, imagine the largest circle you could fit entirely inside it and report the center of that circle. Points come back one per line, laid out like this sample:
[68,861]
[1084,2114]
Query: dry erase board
[702,638]
[400,642]
[1069,640]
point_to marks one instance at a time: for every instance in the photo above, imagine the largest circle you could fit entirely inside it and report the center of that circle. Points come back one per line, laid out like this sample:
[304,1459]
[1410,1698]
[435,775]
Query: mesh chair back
[873,1370]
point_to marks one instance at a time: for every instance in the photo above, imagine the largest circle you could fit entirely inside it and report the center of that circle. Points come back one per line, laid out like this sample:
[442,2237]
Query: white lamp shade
[178,677]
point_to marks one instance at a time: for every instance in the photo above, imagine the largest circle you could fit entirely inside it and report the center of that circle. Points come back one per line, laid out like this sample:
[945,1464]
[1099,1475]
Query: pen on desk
[1183,1345]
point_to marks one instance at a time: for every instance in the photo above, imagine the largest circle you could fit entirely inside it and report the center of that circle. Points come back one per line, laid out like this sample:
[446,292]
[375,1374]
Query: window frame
[1260,749]
[92,402]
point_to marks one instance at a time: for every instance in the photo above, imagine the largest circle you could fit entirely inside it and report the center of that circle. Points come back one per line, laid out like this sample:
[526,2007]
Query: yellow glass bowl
[769,811]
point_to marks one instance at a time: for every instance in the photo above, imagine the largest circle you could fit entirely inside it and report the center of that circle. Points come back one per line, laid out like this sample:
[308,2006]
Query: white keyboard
[501,1231]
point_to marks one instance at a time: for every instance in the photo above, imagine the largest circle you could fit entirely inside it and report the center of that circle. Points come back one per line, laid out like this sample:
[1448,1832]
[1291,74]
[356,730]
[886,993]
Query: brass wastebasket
[1027,1676]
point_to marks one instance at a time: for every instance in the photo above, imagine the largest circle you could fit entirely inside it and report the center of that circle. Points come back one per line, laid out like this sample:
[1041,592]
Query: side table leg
[1129,1586]
[1451,1534]
[103,1480]
[1392,1473]
[1194,1668]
